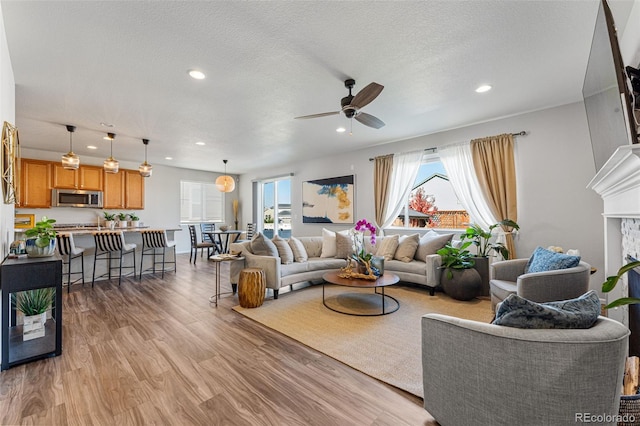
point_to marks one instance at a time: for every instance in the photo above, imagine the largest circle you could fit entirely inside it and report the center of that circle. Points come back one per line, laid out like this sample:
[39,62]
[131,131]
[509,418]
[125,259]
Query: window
[432,203]
[275,199]
[201,202]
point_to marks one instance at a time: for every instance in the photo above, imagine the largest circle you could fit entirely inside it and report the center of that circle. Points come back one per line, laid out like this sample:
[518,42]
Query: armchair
[508,277]
[485,374]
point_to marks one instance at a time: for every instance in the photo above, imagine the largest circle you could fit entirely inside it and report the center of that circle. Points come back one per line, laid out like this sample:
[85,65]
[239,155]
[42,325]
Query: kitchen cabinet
[86,177]
[114,190]
[17,275]
[134,190]
[35,183]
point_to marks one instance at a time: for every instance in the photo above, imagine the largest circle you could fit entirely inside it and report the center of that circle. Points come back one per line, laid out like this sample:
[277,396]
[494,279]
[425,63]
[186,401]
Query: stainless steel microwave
[76,198]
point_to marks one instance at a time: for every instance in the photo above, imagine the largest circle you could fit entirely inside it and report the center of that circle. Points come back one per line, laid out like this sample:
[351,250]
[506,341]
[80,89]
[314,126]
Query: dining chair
[155,243]
[110,245]
[68,251]
[195,245]
[205,228]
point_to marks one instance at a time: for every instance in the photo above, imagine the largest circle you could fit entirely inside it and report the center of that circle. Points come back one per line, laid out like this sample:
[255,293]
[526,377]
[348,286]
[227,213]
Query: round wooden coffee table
[385,280]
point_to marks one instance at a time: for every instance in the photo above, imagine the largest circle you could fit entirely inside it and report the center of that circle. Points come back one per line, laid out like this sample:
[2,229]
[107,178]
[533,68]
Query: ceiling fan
[351,105]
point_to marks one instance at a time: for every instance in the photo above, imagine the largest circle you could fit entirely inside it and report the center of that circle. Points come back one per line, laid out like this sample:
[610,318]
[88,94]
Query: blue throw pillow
[518,312]
[546,260]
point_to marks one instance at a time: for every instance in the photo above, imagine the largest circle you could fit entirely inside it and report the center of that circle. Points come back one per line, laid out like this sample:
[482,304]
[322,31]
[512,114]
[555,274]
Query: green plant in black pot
[481,238]
[460,280]
[455,258]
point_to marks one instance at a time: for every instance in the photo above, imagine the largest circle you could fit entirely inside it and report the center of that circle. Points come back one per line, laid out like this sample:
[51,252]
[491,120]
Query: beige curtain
[381,177]
[495,167]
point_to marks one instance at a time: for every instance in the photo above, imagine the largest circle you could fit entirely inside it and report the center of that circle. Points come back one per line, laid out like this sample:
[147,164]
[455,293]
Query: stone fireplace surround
[618,183]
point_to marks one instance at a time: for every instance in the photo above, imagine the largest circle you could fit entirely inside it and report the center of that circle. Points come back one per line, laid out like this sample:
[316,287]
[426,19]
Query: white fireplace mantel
[618,183]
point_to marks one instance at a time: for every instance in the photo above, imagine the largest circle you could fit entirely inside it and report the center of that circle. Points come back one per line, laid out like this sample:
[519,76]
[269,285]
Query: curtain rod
[435,148]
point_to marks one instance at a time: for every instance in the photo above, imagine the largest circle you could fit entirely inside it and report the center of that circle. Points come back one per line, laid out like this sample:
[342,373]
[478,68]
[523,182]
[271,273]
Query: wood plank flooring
[157,352]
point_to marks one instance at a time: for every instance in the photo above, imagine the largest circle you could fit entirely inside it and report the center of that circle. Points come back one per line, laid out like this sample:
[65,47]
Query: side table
[251,287]
[218,259]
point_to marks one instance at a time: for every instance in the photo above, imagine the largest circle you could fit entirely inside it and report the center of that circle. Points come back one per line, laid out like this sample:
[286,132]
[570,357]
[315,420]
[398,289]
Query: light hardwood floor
[157,352]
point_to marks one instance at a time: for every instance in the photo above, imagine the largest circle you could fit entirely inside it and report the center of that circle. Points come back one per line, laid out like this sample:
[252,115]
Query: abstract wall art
[328,200]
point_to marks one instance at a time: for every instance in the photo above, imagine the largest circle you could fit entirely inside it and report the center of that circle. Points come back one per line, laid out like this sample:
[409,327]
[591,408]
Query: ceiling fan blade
[366,95]
[323,114]
[369,120]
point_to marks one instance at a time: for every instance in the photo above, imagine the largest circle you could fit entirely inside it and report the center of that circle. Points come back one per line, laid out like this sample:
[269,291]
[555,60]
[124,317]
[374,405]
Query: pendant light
[145,168]
[225,183]
[70,160]
[111,165]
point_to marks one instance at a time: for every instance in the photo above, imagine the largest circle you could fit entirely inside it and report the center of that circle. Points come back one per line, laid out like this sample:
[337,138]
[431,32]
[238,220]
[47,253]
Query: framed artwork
[24,221]
[328,200]
[9,163]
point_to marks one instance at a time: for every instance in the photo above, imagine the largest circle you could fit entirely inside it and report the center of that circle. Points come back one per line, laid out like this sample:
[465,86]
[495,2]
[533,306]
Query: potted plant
[135,220]
[481,238]
[459,280]
[122,220]
[41,239]
[109,220]
[34,305]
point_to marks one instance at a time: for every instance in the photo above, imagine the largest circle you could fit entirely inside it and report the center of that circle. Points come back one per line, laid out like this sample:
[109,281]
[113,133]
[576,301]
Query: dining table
[216,236]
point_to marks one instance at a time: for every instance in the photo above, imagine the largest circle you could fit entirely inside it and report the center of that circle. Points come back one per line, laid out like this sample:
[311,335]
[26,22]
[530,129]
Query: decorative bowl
[223,228]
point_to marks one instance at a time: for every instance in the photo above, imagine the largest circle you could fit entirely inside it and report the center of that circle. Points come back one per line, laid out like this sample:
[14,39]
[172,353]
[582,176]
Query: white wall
[162,197]
[7,113]
[554,163]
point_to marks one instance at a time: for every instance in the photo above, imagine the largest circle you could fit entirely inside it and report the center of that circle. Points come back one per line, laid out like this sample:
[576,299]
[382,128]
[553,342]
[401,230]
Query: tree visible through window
[432,203]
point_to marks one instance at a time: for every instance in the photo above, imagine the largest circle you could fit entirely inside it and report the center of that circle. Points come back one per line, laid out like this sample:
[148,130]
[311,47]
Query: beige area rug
[385,347]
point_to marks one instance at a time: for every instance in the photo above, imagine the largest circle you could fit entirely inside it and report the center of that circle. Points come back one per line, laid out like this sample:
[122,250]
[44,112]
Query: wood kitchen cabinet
[86,177]
[134,190]
[35,179]
[114,190]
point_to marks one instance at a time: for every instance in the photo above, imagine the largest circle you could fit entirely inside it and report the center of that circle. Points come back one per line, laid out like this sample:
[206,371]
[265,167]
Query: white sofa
[423,272]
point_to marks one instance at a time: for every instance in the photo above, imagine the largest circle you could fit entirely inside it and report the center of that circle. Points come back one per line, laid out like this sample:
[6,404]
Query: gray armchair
[508,277]
[482,374]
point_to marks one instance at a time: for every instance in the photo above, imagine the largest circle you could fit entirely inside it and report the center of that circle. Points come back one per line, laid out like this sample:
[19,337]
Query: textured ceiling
[126,63]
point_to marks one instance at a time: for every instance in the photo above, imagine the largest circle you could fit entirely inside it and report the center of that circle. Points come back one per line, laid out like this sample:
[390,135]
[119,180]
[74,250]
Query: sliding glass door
[276,207]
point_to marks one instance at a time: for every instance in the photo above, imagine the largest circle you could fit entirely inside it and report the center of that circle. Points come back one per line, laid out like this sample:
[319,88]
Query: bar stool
[68,250]
[154,240]
[109,243]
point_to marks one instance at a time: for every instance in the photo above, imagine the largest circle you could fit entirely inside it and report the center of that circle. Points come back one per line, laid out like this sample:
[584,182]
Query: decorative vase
[134,223]
[33,326]
[109,224]
[377,265]
[122,224]
[34,251]
[465,284]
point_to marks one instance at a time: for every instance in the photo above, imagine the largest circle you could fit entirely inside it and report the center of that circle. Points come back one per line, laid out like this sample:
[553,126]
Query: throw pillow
[407,246]
[299,252]
[430,243]
[581,312]
[262,246]
[546,260]
[284,250]
[344,246]
[388,246]
[328,243]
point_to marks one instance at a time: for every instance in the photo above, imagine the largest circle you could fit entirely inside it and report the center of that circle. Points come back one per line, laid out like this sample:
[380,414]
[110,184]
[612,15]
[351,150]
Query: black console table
[29,274]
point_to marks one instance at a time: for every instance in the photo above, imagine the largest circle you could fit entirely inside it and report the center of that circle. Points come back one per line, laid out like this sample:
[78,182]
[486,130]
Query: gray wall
[554,164]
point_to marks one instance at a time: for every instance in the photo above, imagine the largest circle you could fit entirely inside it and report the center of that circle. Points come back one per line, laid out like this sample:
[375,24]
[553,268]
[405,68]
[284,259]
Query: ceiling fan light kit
[351,105]
[70,160]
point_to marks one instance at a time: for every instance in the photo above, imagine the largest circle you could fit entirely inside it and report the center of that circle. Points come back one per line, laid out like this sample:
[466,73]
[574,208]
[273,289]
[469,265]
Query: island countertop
[84,229]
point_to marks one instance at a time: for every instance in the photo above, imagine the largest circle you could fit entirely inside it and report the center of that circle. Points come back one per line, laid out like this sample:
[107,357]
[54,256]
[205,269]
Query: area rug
[385,347]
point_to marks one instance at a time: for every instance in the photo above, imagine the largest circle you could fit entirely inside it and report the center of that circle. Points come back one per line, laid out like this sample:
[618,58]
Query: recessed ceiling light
[198,75]
[341,130]
[483,88]
[200,143]
[91,147]
[168,158]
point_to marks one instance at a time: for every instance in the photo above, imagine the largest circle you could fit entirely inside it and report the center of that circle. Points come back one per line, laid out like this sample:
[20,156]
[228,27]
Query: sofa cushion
[328,243]
[387,247]
[430,243]
[293,268]
[581,312]
[407,246]
[344,246]
[284,250]
[415,267]
[299,252]
[328,263]
[262,246]
[546,260]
